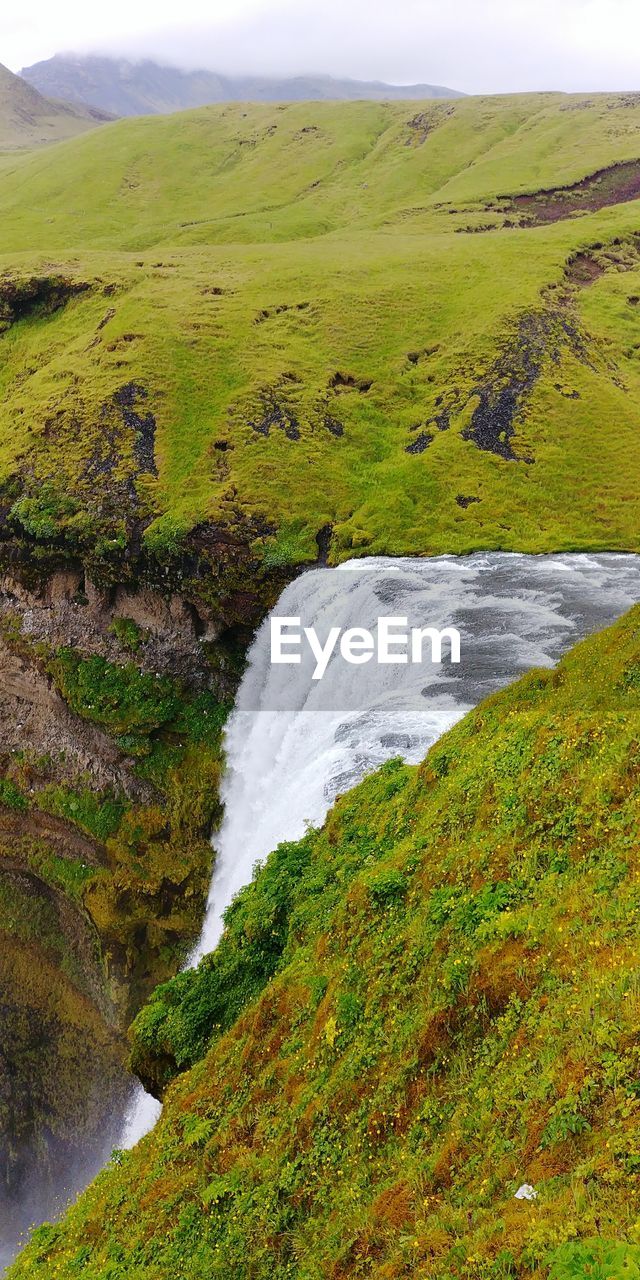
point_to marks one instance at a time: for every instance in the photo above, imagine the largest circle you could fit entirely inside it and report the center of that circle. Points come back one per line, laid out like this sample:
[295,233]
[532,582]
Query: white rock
[526,1192]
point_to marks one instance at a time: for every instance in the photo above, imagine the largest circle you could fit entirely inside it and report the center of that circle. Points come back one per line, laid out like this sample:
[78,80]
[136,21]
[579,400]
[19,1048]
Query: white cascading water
[292,745]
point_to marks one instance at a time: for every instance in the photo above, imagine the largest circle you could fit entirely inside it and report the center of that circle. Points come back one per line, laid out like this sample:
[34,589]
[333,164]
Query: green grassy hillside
[414,324]
[426,1004]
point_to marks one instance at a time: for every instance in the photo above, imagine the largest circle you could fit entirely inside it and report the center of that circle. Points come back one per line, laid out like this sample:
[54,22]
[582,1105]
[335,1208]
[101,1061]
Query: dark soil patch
[423,124]
[588,265]
[414,357]
[268,314]
[340,382]
[144,428]
[568,395]
[614,185]
[442,419]
[420,443]
[583,105]
[323,541]
[276,414]
[624,100]
[502,394]
[465,500]
[541,338]
[106,318]
[333,425]
[479,227]
[583,269]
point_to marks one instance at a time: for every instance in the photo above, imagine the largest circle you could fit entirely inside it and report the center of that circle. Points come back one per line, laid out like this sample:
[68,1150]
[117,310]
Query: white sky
[474,45]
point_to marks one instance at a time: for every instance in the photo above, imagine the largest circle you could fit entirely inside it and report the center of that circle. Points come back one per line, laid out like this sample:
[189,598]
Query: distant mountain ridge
[29,119]
[128,88]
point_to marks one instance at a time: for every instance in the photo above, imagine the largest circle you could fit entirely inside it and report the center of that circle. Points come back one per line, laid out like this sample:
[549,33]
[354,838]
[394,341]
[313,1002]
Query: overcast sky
[479,46]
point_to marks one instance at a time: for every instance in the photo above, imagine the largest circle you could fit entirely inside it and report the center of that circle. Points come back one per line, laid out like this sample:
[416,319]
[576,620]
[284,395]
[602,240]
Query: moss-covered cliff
[112,702]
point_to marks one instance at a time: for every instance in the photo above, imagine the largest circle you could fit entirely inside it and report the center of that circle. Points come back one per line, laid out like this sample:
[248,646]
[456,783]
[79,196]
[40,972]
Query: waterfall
[293,745]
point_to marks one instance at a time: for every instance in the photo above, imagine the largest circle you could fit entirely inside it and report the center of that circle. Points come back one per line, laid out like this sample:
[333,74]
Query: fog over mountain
[495,47]
[129,88]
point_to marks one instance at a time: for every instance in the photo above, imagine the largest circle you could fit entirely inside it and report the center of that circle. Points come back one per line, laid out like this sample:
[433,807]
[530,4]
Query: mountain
[422,1053]
[28,119]
[145,88]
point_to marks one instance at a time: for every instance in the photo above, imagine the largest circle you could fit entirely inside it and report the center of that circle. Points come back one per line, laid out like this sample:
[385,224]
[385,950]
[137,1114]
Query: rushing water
[292,745]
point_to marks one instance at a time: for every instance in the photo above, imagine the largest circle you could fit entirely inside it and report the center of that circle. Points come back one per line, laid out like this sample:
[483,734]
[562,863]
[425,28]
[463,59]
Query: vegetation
[144,873]
[327,316]
[122,698]
[426,1004]
[102,887]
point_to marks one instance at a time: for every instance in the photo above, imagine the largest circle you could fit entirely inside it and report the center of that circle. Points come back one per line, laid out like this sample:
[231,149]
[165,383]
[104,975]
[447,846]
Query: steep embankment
[413,1012]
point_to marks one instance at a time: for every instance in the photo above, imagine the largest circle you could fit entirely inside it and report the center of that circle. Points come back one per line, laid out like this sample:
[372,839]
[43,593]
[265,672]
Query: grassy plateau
[357,317]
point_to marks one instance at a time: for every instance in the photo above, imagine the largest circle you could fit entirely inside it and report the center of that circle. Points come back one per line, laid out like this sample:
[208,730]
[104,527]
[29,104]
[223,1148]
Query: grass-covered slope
[453,1012]
[371,319]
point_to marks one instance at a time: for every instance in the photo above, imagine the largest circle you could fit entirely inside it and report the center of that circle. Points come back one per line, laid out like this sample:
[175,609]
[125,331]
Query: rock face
[68,608]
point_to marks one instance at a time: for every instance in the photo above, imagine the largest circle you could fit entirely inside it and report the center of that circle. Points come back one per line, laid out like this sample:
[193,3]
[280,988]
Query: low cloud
[496,46]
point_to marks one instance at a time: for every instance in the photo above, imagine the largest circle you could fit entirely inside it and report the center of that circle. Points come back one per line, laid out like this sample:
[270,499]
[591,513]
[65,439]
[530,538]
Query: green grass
[148,896]
[413,1011]
[240,256]
[97,814]
[121,698]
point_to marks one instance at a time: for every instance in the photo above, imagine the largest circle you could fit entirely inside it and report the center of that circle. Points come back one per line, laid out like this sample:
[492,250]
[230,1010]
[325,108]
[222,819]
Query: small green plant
[99,814]
[122,699]
[12,796]
[596,1259]
[46,514]
[128,633]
